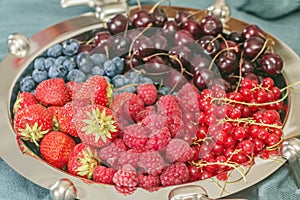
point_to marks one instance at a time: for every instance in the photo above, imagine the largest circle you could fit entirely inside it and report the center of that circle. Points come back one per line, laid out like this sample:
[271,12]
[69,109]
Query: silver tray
[38,171]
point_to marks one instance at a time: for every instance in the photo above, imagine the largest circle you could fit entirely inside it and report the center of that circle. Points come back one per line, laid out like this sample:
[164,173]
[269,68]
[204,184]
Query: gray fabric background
[31,16]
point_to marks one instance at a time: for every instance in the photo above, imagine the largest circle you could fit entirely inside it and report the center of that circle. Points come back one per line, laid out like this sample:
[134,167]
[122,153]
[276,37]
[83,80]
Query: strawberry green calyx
[109,92]
[89,161]
[99,124]
[33,134]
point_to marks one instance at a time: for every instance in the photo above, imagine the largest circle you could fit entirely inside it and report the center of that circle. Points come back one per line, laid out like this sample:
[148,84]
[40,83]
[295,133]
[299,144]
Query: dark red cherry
[252,31]
[211,25]
[143,46]
[141,19]
[253,46]
[133,33]
[183,38]
[182,16]
[102,41]
[271,63]
[227,62]
[160,42]
[131,62]
[117,24]
[157,64]
[170,28]
[209,46]
[183,53]
[159,17]
[236,37]
[248,67]
[193,28]
[202,78]
[120,45]
[198,62]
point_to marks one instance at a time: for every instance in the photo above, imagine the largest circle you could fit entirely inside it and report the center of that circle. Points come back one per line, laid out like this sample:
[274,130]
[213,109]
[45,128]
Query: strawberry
[63,119]
[96,90]
[32,123]
[24,100]
[52,92]
[148,93]
[83,161]
[56,147]
[73,88]
[96,125]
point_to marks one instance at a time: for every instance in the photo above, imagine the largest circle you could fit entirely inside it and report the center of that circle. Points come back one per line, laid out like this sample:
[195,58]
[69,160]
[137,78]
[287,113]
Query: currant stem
[250,121]
[289,86]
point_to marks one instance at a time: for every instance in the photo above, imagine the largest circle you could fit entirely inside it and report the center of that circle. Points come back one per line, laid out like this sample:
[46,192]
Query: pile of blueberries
[65,60]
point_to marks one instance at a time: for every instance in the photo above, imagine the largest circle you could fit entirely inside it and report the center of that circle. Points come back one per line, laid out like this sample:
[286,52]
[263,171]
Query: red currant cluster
[236,127]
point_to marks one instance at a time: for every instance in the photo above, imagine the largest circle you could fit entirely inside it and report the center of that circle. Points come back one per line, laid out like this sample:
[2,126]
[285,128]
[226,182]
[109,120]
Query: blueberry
[85,62]
[39,63]
[98,59]
[39,75]
[98,71]
[131,89]
[69,64]
[119,64]
[49,62]
[55,51]
[119,81]
[76,75]
[110,68]
[27,84]
[70,47]
[58,71]
[144,79]
[60,60]
[165,90]
[134,77]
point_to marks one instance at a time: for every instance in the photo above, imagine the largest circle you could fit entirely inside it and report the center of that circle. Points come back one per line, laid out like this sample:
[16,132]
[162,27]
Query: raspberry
[159,139]
[125,190]
[149,182]
[151,163]
[179,150]
[135,136]
[189,97]
[175,174]
[103,174]
[110,153]
[126,176]
[175,125]
[155,122]
[148,93]
[129,157]
[144,113]
[131,107]
[127,105]
[169,105]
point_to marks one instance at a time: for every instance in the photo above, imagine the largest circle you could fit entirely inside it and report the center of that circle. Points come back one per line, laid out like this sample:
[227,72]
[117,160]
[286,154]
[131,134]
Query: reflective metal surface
[44,175]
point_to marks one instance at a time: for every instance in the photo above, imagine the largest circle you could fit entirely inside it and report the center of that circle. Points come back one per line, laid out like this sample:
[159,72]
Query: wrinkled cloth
[31,16]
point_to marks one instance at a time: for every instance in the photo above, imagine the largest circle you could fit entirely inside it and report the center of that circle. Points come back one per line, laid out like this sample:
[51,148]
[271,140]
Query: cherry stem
[240,72]
[157,4]
[138,35]
[216,56]
[139,4]
[261,51]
